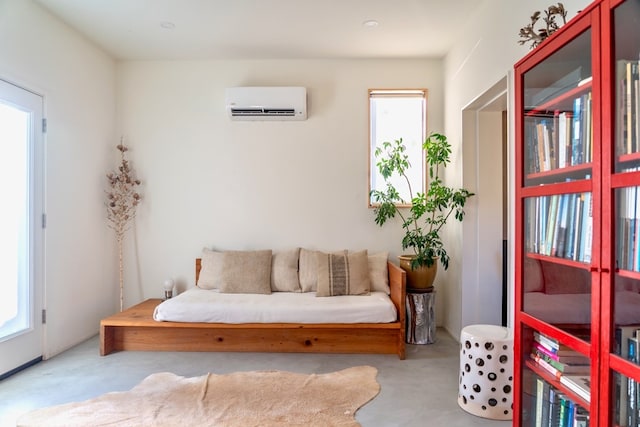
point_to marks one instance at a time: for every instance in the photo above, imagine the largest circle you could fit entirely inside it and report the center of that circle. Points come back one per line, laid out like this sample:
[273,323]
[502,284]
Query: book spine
[547,342]
[539,401]
[542,349]
[546,366]
[576,151]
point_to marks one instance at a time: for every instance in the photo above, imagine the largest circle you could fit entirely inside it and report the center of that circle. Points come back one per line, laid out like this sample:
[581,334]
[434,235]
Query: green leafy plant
[427,212]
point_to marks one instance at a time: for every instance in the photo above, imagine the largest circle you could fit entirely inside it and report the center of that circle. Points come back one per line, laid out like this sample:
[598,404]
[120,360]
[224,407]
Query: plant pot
[421,278]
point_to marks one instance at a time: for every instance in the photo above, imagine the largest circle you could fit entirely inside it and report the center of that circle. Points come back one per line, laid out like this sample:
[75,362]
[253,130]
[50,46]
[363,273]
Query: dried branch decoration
[122,201]
[530,34]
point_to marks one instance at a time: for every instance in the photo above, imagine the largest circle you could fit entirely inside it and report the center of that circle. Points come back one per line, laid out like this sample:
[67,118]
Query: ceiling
[269,29]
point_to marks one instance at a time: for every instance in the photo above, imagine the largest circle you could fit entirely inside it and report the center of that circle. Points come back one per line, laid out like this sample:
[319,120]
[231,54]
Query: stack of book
[558,359]
[572,369]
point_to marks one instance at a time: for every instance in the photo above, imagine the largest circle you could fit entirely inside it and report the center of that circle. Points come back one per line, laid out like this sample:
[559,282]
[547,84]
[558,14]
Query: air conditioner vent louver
[267,103]
[273,112]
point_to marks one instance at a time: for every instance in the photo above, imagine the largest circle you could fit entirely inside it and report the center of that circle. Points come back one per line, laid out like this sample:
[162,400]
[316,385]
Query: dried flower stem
[530,34]
[122,200]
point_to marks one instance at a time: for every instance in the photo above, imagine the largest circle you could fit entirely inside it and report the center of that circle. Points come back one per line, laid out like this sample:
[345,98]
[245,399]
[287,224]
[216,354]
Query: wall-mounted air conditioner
[267,103]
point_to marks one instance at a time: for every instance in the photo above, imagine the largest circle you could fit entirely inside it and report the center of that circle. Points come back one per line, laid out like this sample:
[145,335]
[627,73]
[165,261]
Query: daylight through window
[395,114]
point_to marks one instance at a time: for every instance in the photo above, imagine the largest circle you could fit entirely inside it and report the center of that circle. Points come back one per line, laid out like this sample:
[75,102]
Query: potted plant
[427,212]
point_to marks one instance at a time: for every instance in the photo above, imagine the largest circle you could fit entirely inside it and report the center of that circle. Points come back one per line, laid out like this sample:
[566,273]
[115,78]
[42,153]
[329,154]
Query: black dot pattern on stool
[486,376]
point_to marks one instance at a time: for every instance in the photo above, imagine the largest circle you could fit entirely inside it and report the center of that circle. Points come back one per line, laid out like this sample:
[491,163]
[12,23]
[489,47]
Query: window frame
[372,145]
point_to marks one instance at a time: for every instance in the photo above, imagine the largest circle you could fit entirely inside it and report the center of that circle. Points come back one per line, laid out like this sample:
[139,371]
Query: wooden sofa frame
[135,329]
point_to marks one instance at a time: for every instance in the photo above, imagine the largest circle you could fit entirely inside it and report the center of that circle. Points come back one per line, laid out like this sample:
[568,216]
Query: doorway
[21,228]
[486,299]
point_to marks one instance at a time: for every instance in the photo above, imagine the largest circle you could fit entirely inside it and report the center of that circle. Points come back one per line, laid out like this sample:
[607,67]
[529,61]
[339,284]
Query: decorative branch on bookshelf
[529,33]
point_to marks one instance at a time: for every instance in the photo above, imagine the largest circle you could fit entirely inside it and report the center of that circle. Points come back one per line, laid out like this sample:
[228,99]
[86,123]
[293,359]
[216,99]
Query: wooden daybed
[135,329]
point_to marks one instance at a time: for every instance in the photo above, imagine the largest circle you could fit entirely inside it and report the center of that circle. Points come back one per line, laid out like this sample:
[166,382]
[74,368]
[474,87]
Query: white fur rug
[246,399]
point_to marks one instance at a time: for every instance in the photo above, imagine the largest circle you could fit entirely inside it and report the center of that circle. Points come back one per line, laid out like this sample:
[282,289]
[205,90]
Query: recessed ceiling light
[371,23]
[167,25]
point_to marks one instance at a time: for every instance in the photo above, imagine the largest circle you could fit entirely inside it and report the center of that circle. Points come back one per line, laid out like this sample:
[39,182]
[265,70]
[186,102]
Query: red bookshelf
[577,266]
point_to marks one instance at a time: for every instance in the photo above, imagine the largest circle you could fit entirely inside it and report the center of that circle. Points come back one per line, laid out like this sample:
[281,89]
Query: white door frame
[27,347]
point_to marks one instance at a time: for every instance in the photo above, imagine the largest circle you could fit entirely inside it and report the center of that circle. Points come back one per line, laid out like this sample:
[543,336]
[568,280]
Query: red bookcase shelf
[577,243]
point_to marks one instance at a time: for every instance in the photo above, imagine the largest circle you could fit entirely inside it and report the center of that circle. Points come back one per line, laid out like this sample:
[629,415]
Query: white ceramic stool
[486,371]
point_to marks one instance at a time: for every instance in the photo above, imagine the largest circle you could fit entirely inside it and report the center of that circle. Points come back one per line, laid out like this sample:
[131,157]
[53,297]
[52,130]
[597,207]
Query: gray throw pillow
[246,272]
[343,274]
[210,269]
[284,271]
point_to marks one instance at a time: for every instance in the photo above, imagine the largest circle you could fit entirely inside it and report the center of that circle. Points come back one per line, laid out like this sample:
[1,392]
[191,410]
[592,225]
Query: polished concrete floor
[419,391]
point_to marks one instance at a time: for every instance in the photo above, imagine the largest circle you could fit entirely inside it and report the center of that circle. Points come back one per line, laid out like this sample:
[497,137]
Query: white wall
[78,83]
[208,181]
[211,182]
[486,51]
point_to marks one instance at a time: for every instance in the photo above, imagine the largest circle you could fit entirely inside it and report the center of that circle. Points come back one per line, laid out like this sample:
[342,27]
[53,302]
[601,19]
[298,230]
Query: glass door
[623,318]
[21,222]
[557,224]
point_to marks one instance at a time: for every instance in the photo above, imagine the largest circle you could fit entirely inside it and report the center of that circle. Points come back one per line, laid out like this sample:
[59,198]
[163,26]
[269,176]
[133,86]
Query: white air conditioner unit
[267,103]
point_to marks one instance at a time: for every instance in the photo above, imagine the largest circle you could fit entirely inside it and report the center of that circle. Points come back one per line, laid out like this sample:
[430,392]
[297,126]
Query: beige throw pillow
[284,271]
[210,269]
[343,274]
[246,272]
[378,272]
[308,270]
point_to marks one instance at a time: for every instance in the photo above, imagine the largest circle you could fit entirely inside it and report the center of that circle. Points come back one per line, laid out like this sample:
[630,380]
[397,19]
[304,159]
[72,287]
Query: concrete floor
[419,391]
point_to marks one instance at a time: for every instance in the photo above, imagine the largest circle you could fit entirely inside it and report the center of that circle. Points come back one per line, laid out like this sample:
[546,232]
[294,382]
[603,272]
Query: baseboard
[20,368]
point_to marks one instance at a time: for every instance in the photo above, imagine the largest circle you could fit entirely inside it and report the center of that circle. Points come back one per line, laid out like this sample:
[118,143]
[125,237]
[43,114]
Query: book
[587,129]
[578,227]
[576,145]
[545,365]
[565,368]
[579,384]
[632,385]
[553,345]
[571,227]
[587,230]
[542,403]
[566,356]
[551,223]
[554,407]
[560,122]
[564,403]
[561,226]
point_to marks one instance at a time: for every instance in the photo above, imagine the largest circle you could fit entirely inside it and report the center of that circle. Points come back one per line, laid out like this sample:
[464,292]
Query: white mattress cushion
[201,305]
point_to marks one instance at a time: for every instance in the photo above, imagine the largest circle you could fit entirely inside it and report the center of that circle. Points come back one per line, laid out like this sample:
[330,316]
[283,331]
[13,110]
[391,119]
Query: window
[395,114]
